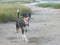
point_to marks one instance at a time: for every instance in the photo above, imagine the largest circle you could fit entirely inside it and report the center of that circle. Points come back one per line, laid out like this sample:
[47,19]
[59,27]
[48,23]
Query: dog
[22,23]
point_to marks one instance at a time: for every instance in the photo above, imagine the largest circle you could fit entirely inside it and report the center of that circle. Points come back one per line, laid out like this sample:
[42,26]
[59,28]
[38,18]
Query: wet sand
[44,29]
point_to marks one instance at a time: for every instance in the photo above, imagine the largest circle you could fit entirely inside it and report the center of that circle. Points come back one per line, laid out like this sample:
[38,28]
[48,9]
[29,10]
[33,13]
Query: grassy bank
[14,1]
[8,11]
[57,6]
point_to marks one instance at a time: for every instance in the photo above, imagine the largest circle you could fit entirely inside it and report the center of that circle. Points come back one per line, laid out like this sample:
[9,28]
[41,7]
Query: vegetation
[8,11]
[49,5]
[25,1]
[44,5]
[13,1]
[57,6]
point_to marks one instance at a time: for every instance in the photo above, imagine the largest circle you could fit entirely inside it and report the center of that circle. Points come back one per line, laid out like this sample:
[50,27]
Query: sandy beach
[44,29]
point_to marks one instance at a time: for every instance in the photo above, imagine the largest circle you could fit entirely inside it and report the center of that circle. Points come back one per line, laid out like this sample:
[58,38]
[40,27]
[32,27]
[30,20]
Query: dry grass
[8,11]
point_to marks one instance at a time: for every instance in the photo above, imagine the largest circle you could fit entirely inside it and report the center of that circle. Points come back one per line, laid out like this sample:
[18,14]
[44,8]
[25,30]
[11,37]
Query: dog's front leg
[25,37]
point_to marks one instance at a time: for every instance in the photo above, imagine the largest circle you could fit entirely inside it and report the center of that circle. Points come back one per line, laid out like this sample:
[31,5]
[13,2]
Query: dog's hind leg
[17,33]
[17,30]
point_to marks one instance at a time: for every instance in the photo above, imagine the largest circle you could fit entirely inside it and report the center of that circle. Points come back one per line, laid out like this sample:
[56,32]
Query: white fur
[27,28]
[25,38]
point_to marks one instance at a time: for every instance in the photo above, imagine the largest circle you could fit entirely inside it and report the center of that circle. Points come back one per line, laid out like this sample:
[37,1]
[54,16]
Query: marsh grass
[8,11]
[14,1]
[52,5]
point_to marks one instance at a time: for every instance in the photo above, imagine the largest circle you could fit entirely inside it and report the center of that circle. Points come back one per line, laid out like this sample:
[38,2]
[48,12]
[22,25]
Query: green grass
[25,1]
[8,11]
[49,5]
[44,5]
[13,1]
[57,6]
